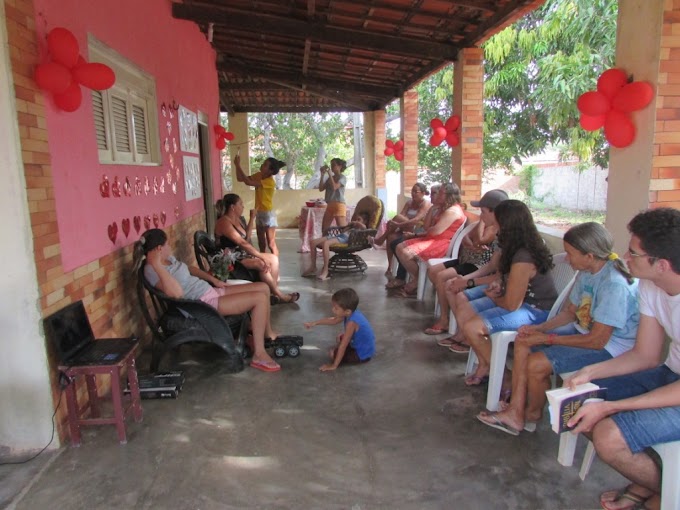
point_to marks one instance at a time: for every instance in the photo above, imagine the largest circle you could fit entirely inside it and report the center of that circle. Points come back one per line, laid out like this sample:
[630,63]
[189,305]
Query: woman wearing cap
[411,215]
[433,242]
[263,182]
[334,186]
[476,250]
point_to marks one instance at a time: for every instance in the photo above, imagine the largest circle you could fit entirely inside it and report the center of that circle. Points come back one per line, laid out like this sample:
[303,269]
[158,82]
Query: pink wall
[182,62]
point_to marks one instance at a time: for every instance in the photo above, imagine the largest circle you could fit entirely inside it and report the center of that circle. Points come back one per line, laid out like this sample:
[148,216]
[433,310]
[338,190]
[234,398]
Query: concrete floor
[398,432]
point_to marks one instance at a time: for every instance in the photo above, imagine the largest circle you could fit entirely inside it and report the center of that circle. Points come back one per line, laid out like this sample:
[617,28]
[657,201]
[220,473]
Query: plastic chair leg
[587,460]
[453,326]
[670,475]
[422,280]
[499,354]
[565,455]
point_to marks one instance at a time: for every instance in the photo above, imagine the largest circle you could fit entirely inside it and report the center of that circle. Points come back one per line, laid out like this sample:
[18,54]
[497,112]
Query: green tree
[535,70]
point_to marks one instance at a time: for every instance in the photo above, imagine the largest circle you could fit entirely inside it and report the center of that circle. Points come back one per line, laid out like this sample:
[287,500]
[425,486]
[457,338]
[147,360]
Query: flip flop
[435,331]
[292,297]
[530,426]
[405,293]
[395,284]
[447,342]
[274,300]
[493,421]
[323,279]
[627,494]
[459,348]
[475,380]
[266,366]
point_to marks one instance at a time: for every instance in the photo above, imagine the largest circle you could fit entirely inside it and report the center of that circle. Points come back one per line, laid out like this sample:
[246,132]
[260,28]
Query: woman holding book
[599,322]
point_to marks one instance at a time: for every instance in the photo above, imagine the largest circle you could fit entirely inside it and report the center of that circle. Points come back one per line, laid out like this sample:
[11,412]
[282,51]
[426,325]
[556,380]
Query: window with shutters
[125,116]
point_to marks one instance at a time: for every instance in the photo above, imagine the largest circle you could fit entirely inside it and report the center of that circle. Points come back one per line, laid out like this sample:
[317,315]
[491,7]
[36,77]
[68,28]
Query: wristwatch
[471,283]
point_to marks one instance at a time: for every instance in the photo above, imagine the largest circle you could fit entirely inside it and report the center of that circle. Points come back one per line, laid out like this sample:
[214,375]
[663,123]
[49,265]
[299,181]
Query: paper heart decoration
[113,232]
[163,218]
[169,176]
[161,188]
[155,185]
[155,220]
[172,161]
[126,226]
[138,186]
[127,188]
[147,222]
[174,188]
[137,221]
[115,188]
[177,212]
[147,187]
[104,187]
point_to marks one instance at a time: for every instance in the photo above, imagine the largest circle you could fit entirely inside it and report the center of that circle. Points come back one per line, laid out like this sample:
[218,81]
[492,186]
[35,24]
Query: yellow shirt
[264,193]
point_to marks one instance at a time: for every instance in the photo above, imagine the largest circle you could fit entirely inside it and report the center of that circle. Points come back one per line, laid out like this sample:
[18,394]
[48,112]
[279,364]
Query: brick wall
[664,185]
[379,123]
[410,130]
[105,285]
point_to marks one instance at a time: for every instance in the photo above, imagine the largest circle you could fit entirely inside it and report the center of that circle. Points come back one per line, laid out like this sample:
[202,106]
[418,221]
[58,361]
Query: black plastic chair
[174,322]
[205,247]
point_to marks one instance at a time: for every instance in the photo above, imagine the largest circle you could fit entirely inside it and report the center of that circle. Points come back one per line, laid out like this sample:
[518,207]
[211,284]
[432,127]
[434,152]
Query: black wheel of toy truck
[293,351]
[280,352]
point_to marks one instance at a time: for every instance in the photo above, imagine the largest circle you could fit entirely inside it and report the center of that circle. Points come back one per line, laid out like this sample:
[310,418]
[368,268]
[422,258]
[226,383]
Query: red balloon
[229,136]
[81,60]
[593,103]
[452,139]
[94,76]
[619,129]
[399,155]
[389,143]
[633,96]
[388,151]
[70,100]
[436,123]
[218,129]
[398,145]
[435,141]
[63,46]
[592,123]
[452,123]
[221,143]
[52,77]
[440,132]
[611,81]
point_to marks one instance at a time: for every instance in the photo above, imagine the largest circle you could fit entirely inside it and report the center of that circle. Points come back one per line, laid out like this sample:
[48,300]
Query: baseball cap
[491,199]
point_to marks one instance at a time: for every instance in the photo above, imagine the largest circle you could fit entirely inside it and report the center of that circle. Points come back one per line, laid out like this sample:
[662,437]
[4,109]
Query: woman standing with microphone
[334,186]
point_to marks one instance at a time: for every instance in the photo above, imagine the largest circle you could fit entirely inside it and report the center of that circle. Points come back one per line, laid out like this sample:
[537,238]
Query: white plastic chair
[458,242]
[563,276]
[423,280]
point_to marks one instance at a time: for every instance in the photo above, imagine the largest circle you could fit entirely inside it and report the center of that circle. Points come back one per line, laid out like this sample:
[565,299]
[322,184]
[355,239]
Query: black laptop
[70,331]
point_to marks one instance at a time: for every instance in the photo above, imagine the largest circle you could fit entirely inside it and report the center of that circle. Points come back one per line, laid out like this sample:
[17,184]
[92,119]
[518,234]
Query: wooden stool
[119,412]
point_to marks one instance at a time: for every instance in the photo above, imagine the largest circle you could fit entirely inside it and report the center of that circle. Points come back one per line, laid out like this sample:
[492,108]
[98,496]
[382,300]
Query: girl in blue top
[356,344]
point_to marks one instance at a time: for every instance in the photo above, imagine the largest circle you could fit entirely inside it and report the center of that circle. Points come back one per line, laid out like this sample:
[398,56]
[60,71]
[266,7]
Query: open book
[563,403]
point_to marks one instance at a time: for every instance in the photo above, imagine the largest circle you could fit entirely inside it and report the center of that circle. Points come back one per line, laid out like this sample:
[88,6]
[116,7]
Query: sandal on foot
[447,342]
[406,293]
[492,420]
[475,380]
[395,284]
[274,300]
[459,347]
[637,500]
[266,366]
[292,297]
[435,331]
[530,426]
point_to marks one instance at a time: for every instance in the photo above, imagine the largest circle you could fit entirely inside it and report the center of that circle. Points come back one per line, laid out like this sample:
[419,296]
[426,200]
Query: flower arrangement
[222,264]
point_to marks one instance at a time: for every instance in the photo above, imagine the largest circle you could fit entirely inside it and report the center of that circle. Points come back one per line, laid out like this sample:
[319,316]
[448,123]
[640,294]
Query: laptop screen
[69,329]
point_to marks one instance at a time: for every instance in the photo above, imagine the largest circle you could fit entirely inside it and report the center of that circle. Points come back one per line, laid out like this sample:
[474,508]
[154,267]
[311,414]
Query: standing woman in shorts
[263,182]
[334,186]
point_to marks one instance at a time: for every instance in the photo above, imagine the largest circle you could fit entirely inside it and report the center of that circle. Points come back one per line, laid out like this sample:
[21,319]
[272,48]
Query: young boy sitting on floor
[356,344]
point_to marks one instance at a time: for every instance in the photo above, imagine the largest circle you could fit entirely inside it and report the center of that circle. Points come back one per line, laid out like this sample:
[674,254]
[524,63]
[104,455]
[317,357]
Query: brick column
[378,123]
[409,133]
[468,97]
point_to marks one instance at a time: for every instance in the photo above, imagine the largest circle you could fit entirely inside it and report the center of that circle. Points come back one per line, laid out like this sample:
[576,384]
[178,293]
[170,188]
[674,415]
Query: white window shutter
[140,129]
[120,123]
[101,125]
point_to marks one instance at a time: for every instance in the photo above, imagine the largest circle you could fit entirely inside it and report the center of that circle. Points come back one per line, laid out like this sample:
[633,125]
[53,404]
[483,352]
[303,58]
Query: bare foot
[323,276]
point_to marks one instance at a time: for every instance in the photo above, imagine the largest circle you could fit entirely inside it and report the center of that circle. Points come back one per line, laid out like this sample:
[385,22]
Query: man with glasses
[643,397]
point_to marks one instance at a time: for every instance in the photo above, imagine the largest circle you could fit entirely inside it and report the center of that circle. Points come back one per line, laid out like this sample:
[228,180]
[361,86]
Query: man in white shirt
[643,397]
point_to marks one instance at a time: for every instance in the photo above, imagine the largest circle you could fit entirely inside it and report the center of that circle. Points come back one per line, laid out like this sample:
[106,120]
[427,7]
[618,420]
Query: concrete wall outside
[564,186]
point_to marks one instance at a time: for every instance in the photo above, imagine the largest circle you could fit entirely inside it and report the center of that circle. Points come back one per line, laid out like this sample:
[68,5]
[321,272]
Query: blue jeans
[645,427]
[496,318]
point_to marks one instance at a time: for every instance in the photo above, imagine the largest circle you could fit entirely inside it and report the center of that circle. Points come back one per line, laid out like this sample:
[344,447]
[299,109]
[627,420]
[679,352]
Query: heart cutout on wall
[163,218]
[155,220]
[147,222]
[126,226]
[113,232]
[137,221]
[104,187]
[115,188]
[127,188]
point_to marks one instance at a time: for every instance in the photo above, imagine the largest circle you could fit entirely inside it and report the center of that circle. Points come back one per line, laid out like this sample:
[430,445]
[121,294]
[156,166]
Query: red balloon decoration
[222,136]
[94,76]
[611,105]
[63,46]
[395,149]
[70,100]
[445,131]
[69,70]
[52,77]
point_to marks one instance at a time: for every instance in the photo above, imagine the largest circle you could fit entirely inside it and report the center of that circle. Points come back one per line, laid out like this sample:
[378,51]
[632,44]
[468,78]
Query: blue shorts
[266,219]
[496,318]
[340,238]
[564,358]
[645,427]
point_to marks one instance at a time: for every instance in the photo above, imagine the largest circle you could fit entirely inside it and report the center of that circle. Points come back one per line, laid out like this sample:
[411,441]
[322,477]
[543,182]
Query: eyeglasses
[636,255]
